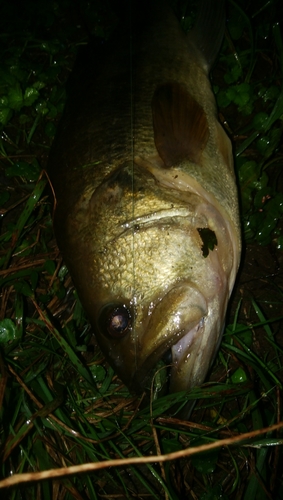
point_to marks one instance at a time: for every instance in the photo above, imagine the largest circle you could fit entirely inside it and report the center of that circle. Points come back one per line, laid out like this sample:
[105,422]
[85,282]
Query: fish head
[151,285]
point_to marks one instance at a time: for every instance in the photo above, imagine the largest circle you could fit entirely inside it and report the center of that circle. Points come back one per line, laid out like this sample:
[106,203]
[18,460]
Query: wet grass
[61,404]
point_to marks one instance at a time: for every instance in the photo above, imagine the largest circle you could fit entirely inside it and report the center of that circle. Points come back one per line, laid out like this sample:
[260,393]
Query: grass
[61,404]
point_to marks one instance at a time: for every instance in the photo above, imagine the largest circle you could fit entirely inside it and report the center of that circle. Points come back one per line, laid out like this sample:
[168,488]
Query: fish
[146,215]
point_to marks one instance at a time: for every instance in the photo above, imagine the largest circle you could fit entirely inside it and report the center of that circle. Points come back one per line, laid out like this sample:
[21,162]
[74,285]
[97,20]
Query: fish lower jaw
[181,358]
[186,363]
[160,376]
[194,354]
[181,350]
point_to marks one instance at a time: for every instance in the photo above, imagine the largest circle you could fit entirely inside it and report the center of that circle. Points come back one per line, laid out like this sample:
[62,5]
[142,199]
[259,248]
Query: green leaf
[98,372]
[214,493]
[15,97]
[260,120]
[24,288]
[239,376]
[5,115]
[204,462]
[8,331]
[50,267]
[23,169]
[30,96]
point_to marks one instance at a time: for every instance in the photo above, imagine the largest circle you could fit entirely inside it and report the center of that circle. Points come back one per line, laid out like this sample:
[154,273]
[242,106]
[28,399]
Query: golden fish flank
[147,210]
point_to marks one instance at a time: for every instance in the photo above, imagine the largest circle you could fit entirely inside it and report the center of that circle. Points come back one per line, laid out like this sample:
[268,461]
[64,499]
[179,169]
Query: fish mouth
[161,379]
[177,359]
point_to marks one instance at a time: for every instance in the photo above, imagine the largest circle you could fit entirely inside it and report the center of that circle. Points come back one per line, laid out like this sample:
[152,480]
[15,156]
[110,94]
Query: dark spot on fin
[208,238]
[180,124]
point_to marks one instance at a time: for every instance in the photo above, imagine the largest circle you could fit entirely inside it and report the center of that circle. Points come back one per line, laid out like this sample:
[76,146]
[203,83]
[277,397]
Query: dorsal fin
[208,30]
[180,124]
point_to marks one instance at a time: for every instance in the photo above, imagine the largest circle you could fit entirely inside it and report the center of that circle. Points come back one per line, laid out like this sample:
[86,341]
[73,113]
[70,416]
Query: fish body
[147,210]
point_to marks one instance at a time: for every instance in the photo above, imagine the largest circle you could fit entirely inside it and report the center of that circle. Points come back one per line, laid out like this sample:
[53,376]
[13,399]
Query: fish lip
[189,356]
[143,382]
[188,337]
[145,374]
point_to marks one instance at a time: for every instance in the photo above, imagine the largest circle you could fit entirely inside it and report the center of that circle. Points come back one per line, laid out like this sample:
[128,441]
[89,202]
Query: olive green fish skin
[140,164]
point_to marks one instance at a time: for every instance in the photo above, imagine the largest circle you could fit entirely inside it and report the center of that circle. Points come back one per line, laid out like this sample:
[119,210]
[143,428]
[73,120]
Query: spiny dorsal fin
[180,124]
[208,30]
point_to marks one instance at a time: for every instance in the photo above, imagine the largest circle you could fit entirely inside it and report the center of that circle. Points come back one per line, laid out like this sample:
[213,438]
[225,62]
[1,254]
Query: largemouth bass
[147,210]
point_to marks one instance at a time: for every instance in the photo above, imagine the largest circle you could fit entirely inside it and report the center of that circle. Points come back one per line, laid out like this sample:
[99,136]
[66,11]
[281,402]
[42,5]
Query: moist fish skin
[146,211]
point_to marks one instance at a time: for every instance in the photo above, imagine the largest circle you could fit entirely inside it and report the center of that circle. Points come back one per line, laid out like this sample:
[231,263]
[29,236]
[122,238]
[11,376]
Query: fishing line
[132,166]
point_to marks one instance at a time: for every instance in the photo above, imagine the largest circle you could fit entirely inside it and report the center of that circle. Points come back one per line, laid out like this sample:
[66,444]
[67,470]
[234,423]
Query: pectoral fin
[180,125]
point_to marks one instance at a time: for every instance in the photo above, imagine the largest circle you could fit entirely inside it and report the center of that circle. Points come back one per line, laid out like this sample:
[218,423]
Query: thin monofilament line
[132,159]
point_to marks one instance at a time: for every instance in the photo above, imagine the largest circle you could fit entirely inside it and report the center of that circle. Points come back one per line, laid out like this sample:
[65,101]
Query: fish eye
[115,320]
